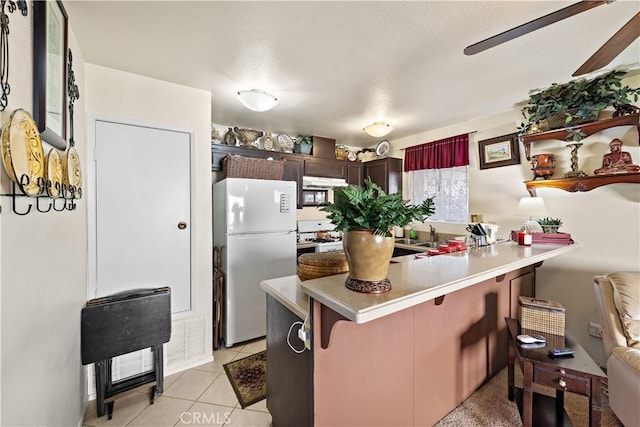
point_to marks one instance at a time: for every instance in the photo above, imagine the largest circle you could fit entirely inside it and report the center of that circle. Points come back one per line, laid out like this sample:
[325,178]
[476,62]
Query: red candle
[524,238]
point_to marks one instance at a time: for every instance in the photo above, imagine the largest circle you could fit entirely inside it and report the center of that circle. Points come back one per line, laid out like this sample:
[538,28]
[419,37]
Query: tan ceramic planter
[368,256]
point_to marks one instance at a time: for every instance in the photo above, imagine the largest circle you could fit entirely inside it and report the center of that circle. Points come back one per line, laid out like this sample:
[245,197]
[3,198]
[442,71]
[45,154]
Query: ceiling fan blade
[613,47]
[530,26]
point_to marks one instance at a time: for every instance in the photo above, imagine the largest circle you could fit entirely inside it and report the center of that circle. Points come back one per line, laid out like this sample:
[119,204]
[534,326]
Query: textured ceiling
[338,66]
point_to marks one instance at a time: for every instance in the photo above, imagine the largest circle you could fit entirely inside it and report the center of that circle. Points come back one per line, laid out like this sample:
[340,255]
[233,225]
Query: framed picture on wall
[500,151]
[50,71]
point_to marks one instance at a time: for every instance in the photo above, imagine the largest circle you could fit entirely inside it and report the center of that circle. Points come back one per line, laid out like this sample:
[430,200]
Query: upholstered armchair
[618,296]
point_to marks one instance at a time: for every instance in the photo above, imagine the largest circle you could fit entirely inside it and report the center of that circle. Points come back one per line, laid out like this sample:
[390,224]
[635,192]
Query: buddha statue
[617,161]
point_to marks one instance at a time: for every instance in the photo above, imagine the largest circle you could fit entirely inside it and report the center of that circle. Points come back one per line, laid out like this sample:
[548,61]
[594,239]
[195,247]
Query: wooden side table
[578,374]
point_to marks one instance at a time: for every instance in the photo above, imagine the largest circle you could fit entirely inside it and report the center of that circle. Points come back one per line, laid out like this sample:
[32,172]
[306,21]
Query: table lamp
[531,207]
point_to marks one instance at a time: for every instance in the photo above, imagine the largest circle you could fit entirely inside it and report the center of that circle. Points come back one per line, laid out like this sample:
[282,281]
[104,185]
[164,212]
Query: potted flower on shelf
[575,102]
[550,225]
[366,215]
[303,144]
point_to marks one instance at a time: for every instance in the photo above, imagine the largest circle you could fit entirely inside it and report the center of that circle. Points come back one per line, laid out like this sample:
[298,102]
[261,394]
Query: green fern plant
[370,208]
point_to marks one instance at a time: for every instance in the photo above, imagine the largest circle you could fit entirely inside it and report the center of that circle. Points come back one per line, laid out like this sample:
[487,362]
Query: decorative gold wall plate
[54,173]
[6,149]
[24,148]
[72,173]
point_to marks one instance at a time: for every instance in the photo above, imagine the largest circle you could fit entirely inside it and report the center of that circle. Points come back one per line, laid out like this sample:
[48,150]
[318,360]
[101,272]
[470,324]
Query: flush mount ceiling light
[378,129]
[257,100]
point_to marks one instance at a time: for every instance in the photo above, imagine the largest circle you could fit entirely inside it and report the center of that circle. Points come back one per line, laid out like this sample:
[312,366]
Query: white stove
[321,233]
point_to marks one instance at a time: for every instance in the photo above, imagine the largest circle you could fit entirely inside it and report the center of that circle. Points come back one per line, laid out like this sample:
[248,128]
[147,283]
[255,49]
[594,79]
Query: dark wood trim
[588,183]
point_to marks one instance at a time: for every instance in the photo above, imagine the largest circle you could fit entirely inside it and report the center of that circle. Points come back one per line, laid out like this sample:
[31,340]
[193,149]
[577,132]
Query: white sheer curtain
[450,190]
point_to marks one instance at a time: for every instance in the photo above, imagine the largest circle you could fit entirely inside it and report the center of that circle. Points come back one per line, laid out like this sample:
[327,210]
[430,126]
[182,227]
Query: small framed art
[500,151]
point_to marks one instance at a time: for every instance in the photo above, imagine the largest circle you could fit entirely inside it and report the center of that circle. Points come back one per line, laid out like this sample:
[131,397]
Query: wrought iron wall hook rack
[38,205]
[67,195]
[5,88]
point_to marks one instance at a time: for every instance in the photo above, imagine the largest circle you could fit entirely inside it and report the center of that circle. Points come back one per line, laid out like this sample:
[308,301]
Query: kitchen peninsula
[403,358]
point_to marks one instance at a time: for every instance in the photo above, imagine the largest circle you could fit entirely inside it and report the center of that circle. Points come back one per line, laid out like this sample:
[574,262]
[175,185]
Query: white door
[143,210]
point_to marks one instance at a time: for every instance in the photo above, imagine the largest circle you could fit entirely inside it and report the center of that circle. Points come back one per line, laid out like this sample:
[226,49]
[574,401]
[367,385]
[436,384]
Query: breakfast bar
[406,357]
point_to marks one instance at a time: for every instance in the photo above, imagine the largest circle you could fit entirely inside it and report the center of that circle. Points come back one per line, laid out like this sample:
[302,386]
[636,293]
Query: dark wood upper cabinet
[293,168]
[355,173]
[387,173]
[328,168]
[323,147]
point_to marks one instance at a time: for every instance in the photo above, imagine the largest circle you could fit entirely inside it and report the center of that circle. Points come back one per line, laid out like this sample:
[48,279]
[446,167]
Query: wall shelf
[588,183]
[587,129]
[585,183]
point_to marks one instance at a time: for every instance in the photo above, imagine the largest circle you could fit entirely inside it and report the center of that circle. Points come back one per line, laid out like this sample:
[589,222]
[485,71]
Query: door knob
[182,225]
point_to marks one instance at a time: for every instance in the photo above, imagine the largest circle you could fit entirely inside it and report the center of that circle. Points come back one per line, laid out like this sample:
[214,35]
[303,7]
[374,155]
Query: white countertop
[412,282]
[288,292]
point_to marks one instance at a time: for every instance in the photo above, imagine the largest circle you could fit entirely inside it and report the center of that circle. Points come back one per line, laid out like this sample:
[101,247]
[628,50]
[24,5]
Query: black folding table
[123,323]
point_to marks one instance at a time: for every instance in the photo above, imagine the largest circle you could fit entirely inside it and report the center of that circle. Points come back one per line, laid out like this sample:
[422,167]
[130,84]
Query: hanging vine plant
[577,101]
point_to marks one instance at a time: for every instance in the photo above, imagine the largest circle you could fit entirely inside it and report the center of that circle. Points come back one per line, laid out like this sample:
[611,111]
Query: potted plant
[303,144]
[366,215]
[550,225]
[577,101]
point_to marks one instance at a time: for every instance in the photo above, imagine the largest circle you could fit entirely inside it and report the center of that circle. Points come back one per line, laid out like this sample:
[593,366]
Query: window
[450,189]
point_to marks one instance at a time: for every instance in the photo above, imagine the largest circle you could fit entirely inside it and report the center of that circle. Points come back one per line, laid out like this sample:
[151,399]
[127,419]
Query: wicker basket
[249,167]
[320,264]
[559,120]
[541,315]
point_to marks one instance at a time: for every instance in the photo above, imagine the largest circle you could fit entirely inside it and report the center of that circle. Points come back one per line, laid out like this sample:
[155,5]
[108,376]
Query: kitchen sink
[431,244]
[416,242]
[407,241]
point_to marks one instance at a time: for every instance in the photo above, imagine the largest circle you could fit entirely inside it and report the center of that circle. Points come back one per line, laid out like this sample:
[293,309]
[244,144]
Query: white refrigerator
[254,225]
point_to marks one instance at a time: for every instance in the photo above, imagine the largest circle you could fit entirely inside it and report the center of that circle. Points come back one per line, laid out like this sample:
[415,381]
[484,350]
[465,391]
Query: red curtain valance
[444,153]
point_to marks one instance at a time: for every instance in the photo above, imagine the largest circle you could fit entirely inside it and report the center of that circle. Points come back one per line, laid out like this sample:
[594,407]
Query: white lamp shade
[531,206]
[378,129]
[257,100]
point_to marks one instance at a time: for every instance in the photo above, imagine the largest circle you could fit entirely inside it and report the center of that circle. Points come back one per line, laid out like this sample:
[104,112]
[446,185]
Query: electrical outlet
[304,333]
[595,329]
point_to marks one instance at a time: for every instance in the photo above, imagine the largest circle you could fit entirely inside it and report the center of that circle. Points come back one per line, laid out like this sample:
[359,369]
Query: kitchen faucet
[432,233]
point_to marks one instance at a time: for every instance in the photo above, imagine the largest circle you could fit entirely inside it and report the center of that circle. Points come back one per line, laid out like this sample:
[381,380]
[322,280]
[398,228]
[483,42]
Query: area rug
[248,377]
[489,406]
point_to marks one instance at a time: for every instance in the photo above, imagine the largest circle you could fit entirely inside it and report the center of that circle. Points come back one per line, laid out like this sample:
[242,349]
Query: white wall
[604,221]
[42,276]
[133,98]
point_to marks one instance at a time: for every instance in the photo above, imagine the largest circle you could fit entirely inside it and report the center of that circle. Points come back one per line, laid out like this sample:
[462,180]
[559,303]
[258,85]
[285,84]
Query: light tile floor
[196,397]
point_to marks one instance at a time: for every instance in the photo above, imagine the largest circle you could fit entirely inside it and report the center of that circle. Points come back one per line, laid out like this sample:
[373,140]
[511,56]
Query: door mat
[248,377]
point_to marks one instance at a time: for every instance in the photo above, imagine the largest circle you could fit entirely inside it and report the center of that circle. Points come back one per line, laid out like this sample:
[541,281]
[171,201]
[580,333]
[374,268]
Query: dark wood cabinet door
[290,378]
[329,168]
[293,170]
[355,173]
[387,173]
